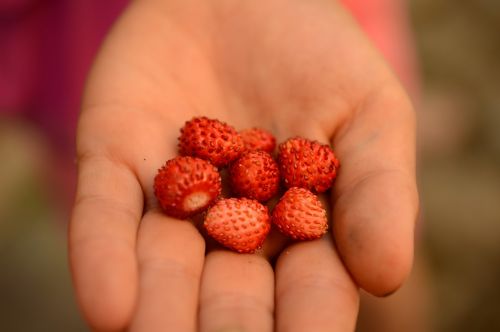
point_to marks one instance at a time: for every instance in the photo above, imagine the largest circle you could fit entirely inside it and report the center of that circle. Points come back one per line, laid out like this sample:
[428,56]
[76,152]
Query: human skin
[293,67]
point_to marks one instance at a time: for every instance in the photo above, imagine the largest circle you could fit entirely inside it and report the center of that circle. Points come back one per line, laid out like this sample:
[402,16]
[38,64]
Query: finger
[314,292]
[102,236]
[171,254]
[375,195]
[237,293]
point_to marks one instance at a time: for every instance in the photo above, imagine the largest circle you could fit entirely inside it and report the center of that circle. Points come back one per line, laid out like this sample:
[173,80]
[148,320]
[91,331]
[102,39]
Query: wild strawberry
[258,139]
[240,224]
[210,139]
[307,164]
[300,215]
[185,186]
[255,175]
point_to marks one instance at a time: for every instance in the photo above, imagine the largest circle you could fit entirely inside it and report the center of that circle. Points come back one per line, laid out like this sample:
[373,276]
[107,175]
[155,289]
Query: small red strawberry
[300,215]
[258,139]
[210,139]
[307,164]
[186,186]
[240,224]
[255,175]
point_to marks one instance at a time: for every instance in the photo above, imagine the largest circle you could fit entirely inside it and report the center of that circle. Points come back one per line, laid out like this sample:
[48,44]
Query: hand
[294,67]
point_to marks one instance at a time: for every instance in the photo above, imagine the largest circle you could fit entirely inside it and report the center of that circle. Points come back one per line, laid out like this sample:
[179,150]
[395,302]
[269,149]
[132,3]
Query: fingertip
[385,275]
[106,293]
[108,312]
[374,232]
[109,316]
[380,271]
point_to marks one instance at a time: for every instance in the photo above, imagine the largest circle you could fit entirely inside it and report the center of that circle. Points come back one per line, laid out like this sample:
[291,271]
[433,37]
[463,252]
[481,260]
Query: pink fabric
[386,23]
[46,48]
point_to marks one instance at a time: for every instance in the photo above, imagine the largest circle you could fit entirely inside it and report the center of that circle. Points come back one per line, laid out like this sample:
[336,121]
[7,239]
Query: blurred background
[455,286]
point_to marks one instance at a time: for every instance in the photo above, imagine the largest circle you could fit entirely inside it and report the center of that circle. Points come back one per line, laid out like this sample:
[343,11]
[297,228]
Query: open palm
[293,67]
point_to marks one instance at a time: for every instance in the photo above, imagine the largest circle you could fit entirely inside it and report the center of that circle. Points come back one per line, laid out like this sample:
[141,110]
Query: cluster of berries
[191,183]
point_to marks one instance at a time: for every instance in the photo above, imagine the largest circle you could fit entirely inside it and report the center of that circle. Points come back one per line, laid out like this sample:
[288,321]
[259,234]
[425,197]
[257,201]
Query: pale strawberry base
[196,200]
